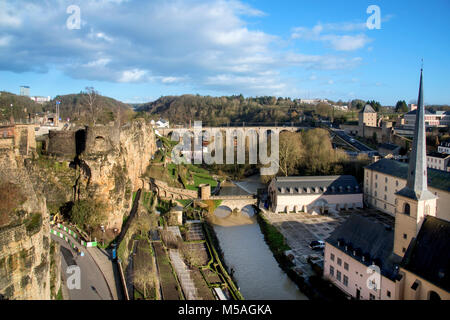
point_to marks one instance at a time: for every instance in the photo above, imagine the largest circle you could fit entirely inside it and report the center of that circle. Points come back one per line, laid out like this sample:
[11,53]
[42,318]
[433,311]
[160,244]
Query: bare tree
[92,102]
[290,152]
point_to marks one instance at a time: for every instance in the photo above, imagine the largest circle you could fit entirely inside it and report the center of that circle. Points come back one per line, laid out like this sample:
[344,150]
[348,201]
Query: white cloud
[339,42]
[134,75]
[205,44]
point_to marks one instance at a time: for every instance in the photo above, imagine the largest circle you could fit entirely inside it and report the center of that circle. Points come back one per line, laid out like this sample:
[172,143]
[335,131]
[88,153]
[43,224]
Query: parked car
[317,245]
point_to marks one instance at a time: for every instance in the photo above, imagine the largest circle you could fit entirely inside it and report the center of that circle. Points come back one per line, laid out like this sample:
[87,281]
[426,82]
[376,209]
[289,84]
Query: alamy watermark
[74,20]
[374,21]
[373,281]
[208,146]
[74,279]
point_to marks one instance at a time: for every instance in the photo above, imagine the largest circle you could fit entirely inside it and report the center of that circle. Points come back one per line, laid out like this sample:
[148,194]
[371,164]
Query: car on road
[317,245]
[352,140]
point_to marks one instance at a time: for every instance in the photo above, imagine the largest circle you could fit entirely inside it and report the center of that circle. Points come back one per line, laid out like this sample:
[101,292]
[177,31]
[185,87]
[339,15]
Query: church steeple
[414,201]
[416,185]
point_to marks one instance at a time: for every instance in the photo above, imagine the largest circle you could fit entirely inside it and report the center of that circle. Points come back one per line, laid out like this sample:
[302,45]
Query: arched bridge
[245,130]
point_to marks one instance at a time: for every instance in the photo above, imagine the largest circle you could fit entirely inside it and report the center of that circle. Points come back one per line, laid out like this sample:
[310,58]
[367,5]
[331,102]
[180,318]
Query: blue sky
[137,51]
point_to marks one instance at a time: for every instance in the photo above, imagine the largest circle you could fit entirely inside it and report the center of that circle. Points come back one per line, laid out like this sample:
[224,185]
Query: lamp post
[11,119]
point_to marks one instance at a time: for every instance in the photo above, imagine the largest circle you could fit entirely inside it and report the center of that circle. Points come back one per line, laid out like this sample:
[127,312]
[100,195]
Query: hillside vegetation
[222,110]
[22,106]
[73,106]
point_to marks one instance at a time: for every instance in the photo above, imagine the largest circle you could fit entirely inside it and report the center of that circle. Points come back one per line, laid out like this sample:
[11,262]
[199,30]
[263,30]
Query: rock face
[112,163]
[24,236]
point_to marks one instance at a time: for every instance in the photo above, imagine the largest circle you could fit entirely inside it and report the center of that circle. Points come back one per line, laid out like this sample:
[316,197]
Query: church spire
[416,185]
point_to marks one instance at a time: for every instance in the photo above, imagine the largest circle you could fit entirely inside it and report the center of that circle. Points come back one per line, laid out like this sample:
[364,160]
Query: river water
[256,271]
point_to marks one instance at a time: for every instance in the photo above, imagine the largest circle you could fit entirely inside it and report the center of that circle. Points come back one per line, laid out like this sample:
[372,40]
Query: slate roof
[371,240]
[344,184]
[367,109]
[438,155]
[436,178]
[428,255]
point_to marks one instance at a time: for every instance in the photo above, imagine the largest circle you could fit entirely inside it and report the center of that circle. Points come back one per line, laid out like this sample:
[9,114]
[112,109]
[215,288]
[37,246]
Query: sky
[138,50]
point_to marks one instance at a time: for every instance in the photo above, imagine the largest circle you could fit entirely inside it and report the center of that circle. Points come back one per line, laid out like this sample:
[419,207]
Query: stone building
[439,161]
[382,179]
[367,116]
[406,259]
[314,194]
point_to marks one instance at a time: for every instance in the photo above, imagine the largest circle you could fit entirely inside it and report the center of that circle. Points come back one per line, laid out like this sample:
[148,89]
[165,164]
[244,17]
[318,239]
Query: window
[332,271]
[345,281]
[376,185]
[385,188]
[385,197]
[396,183]
[372,297]
[405,236]
[339,261]
[388,293]
[338,275]
[403,250]
[376,193]
[332,257]
[376,177]
[345,265]
[385,179]
[407,209]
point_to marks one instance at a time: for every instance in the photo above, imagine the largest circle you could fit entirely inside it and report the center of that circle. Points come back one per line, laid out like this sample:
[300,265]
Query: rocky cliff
[25,262]
[112,163]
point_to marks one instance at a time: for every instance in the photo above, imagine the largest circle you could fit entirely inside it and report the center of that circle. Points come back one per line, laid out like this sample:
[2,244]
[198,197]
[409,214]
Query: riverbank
[314,287]
[217,253]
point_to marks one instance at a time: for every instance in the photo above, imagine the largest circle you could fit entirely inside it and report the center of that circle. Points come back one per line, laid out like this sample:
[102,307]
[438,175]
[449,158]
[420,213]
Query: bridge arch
[248,211]
[223,212]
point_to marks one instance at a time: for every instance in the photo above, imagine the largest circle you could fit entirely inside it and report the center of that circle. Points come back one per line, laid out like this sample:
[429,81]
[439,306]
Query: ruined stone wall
[102,139]
[61,144]
[25,138]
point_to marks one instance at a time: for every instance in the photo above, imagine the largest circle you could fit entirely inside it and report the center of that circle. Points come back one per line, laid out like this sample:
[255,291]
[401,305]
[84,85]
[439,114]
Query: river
[256,271]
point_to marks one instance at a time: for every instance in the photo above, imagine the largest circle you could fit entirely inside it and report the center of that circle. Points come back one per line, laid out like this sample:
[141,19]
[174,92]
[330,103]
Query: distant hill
[221,110]
[73,106]
[22,106]
[76,107]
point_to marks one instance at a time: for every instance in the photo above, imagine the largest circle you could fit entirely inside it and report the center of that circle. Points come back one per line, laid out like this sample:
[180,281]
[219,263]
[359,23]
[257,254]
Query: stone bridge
[236,202]
[245,130]
[163,190]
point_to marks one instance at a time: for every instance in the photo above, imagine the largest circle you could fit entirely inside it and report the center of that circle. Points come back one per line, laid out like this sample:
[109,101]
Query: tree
[324,109]
[401,106]
[92,102]
[375,105]
[318,155]
[290,152]
[88,214]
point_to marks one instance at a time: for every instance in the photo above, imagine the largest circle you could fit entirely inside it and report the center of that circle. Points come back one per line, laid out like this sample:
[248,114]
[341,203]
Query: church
[409,259]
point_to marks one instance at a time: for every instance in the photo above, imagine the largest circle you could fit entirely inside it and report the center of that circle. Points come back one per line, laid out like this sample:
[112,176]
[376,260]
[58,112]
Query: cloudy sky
[137,51]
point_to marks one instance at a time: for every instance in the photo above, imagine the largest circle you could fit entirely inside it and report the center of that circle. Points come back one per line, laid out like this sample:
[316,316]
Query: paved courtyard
[301,228]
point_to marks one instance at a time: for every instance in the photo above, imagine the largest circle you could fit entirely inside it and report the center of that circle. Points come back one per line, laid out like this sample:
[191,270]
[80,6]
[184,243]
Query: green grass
[184,202]
[273,237]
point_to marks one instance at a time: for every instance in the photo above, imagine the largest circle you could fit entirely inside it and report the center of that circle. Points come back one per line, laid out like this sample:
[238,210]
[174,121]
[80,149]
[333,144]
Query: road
[353,142]
[93,284]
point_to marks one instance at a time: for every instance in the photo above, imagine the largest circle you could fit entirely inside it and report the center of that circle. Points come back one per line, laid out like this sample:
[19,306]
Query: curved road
[93,284]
